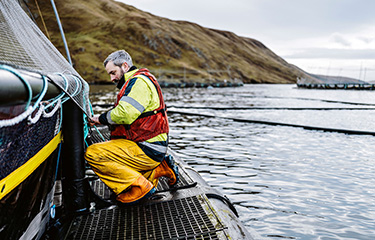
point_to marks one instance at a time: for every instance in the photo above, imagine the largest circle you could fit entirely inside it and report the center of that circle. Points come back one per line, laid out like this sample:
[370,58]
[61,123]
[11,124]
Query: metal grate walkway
[185,182]
[186,218]
[97,135]
[104,192]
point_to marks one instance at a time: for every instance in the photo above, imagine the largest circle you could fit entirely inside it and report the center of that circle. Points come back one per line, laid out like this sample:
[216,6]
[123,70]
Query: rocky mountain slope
[176,51]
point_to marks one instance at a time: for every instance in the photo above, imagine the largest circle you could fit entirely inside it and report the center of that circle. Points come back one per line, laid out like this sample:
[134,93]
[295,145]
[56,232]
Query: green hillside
[174,50]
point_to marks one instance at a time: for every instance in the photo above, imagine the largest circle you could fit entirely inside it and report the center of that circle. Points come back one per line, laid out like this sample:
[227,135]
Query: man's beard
[121,82]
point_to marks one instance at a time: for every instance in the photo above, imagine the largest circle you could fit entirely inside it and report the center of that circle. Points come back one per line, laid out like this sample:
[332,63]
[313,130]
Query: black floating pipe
[13,90]
[255,108]
[346,131]
[75,192]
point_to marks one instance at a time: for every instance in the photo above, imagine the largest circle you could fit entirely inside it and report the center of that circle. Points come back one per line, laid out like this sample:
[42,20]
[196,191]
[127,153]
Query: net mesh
[24,48]
[24,45]
[20,142]
[27,127]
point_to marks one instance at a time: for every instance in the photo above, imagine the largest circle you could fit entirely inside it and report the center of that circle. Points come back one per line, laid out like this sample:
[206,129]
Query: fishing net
[25,139]
[30,125]
[24,45]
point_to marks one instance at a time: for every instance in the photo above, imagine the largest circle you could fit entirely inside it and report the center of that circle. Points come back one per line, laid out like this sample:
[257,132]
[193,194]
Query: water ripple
[286,183]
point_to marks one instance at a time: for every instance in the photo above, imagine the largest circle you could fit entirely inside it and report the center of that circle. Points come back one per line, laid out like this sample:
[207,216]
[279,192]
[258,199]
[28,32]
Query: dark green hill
[174,50]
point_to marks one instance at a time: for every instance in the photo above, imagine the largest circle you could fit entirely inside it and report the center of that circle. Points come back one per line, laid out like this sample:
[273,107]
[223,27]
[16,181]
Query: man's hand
[94,121]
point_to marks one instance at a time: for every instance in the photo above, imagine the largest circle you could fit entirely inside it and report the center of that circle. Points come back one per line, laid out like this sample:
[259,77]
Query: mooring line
[268,108]
[300,98]
[250,108]
[346,131]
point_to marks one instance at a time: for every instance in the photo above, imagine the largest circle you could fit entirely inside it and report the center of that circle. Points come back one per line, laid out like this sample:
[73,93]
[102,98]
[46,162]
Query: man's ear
[125,67]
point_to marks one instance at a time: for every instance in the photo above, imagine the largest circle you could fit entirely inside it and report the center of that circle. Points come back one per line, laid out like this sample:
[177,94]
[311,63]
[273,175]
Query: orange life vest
[149,124]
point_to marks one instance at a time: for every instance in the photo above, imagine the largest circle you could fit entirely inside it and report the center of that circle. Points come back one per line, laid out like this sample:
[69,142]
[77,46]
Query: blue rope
[87,127]
[27,85]
[79,86]
[58,160]
[43,92]
[61,95]
[61,117]
[92,112]
[62,32]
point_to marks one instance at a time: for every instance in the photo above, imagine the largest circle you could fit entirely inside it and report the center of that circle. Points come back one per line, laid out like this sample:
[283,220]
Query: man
[135,157]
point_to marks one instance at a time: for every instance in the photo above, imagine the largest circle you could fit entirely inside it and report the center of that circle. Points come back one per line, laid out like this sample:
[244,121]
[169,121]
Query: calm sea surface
[286,182]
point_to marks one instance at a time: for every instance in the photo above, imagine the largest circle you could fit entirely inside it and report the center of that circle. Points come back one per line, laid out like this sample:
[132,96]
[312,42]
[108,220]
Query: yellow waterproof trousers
[119,163]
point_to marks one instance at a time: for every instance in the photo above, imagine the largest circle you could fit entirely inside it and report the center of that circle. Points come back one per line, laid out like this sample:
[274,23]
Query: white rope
[17,119]
[33,120]
[50,114]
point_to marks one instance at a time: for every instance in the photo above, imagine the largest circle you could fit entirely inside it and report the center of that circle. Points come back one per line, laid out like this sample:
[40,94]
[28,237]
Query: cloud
[340,39]
[306,33]
[329,53]
[366,40]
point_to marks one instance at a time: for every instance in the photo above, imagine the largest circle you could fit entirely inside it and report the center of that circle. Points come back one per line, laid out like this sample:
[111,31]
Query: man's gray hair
[118,58]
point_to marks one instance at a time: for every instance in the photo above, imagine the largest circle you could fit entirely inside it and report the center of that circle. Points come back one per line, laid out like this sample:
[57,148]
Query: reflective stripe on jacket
[151,122]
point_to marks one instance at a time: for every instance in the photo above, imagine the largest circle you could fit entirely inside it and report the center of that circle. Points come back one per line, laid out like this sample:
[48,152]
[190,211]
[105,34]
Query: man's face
[115,72]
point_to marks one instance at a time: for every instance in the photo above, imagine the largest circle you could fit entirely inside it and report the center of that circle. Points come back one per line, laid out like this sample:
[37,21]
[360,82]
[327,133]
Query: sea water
[285,182]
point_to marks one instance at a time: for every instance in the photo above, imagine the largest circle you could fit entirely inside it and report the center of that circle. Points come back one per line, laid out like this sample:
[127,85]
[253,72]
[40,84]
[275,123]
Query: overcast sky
[334,37]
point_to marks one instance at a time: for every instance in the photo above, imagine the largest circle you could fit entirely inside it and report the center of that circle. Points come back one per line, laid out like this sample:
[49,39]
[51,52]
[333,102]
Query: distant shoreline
[187,85]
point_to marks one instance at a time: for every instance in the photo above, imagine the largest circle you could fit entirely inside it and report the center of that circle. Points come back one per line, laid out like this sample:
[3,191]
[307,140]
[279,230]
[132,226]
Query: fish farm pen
[354,86]
[47,190]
